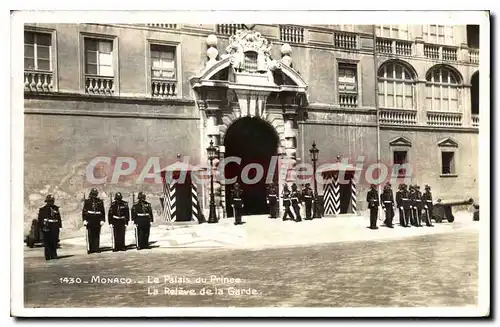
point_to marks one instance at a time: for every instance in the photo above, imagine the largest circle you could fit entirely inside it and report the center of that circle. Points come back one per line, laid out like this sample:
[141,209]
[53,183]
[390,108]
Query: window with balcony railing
[436,52]
[99,70]
[442,90]
[38,73]
[163,71]
[345,40]
[347,85]
[396,85]
[391,46]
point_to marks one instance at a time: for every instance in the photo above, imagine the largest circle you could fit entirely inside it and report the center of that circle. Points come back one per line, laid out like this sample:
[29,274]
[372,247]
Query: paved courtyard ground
[409,268]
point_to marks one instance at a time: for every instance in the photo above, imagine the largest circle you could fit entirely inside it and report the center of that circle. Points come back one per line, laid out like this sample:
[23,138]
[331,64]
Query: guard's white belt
[94,212]
[273,195]
[404,198]
[118,217]
[52,221]
[294,198]
[418,200]
[143,214]
[387,201]
[308,196]
[237,199]
[428,200]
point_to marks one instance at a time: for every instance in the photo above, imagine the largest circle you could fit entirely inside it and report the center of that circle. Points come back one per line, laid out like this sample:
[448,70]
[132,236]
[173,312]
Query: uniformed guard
[406,205]
[50,219]
[295,200]
[142,216]
[412,197]
[387,201]
[308,198]
[419,206]
[93,215]
[272,201]
[428,205]
[237,203]
[287,203]
[373,203]
[118,219]
[399,203]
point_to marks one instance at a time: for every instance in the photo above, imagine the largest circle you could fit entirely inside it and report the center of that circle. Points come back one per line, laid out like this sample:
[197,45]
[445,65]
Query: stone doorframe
[244,93]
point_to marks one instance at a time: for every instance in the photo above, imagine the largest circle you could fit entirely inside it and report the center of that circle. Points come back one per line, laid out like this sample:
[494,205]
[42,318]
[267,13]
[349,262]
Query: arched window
[442,90]
[396,86]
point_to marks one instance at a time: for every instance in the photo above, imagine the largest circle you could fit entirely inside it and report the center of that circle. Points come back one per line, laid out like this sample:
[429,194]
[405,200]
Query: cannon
[443,209]
[475,215]
[35,237]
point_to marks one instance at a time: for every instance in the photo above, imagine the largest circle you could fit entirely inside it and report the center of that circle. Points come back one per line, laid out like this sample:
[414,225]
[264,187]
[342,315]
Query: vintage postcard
[250,163]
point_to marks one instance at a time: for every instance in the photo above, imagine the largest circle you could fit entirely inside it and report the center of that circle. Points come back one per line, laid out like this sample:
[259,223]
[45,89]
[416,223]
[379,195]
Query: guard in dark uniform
[142,216]
[406,205]
[93,218]
[387,200]
[295,200]
[237,203]
[272,201]
[118,219]
[287,203]
[373,203]
[419,206]
[412,197]
[428,205]
[307,196]
[50,220]
[399,203]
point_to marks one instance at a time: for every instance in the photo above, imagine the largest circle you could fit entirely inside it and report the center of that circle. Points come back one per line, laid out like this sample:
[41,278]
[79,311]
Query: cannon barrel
[454,203]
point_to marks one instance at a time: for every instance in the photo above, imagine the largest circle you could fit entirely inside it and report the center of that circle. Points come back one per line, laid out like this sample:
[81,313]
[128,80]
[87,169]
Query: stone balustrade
[36,81]
[474,56]
[228,29]
[398,47]
[431,51]
[444,119]
[437,52]
[398,117]
[348,100]
[475,120]
[163,88]
[449,54]
[160,25]
[345,40]
[291,34]
[99,85]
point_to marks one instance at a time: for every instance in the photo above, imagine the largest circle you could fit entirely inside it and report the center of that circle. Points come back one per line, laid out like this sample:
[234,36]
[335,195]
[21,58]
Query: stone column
[290,135]
[419,47]
[466,105]
[421,102]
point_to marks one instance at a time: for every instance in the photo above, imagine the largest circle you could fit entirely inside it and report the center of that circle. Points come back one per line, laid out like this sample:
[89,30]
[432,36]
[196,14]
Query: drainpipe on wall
[377,109]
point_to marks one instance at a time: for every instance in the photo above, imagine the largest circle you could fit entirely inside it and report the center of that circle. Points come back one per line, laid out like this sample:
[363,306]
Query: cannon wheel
[30,242]
[438,214]
[451,218]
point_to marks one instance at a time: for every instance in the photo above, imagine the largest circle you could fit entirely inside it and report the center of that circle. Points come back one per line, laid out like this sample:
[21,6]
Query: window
[347,85]
[393,31]
[447,163]
[438,34]
[37,49]
[163,62]
[400,158]
[395,86]
[442,90]
[250,62]
[99,57]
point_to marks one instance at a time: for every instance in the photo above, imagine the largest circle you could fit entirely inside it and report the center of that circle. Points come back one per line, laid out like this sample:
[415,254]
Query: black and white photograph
[214,163]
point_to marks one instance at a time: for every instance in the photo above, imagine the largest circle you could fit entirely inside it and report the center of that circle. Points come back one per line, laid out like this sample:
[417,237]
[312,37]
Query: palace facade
[158,90]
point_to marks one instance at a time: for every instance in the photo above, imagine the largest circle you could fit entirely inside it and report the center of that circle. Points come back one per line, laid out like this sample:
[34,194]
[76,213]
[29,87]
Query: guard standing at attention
[118,219]
[286,203]
[237,203]
[428,205]
[419,205]
[294,198]
[412,197]
[373,203]
[142,216]
[406,205]
[307,195]
[50,219]
[387,200]
[93,218]
[272,201]
[399,203]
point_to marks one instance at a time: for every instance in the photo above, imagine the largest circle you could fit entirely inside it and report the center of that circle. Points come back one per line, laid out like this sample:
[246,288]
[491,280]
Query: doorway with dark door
[254,141]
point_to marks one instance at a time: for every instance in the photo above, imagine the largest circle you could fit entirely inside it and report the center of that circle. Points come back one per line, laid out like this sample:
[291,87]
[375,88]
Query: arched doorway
[474,93]
[254,141]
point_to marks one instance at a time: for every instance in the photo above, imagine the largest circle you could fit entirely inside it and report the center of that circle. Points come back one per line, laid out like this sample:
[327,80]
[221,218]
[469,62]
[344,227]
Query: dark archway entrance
[254,141]
[474,93]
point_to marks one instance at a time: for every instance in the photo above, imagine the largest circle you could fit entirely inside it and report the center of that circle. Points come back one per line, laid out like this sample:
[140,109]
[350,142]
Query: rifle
[86,229]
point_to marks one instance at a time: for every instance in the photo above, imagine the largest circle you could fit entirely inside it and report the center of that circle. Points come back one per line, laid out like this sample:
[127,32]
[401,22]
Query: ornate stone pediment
[248,40]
